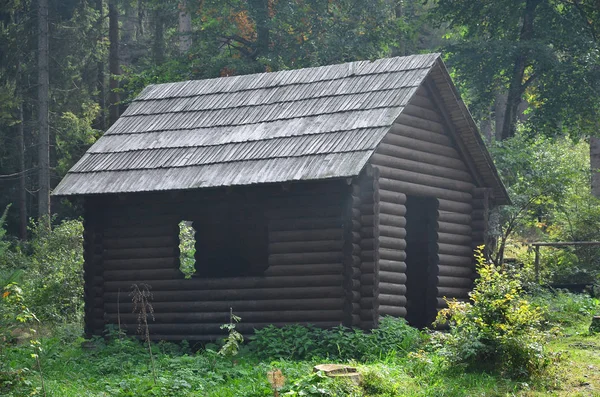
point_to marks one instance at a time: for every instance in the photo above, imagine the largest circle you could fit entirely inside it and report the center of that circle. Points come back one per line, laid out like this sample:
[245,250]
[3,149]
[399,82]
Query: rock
[339,371]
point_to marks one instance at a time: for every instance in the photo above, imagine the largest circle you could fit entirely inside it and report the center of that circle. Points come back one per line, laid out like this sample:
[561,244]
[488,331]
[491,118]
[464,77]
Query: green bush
[565,308]
[393,337]
[51,265]
[498,330]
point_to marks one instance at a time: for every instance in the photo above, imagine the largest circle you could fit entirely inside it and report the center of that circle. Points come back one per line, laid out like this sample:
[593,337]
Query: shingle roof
[305,124]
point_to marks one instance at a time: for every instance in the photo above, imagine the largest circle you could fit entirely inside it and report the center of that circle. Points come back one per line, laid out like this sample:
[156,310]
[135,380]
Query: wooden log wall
[418,157]
[312,272]
[366,191]
[481,207]
[93,268]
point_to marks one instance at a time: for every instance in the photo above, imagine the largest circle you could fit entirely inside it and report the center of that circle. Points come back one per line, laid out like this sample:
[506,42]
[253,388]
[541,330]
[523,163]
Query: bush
[52,261]
[565,308]
[499,329]
[393,337]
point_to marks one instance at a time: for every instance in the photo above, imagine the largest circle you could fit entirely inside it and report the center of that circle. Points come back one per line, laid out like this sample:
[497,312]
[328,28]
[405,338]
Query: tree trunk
[113,60]
[595,165]
[260,11]
[22,176]
[517,85]
[158,47]
[185,28]
[399,48]
[44,130]
[100,78]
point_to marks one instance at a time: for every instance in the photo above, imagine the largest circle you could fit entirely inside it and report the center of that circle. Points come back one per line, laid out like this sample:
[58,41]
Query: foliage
[542,52]
[317,384]
[392,337]
[187,249]
[232,341]
[565,308]
[547,180]
[53,260]
[499,329]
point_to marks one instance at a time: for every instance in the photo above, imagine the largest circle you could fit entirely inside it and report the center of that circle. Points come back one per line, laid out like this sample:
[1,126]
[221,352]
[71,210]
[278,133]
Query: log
[140,242]
[453,292]
[419,190]
[305,224]
[417,144]
[395,311]
[392,277]
[429,125]
[324,292]
[139,232]
[244,328]
[454,228]
[391,254]
[392,243]
[306,212]
[392,300]
[392,231]
[139,264]
[148,275]
[422,156]
[461,207]
[312,247]
[393,266]
[421,99]
[247,317]
[382,160]
[422,113]
[237,305]
[198,283]
[392,208]
[139,253]
[147,219]
[304,270]
[392,197]
[305,235]
[453,260]
[453,249]
[305,258]
[455,271]
[454,282]
[392,220]
[453,217]
[441,182]
[392,289]
[458,239]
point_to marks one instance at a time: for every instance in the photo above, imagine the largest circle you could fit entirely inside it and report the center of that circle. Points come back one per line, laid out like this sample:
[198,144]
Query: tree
[543,53]
[113,61]
[44,128]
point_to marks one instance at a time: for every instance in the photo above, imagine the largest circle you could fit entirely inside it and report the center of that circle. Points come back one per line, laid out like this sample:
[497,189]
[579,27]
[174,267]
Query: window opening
[187,248]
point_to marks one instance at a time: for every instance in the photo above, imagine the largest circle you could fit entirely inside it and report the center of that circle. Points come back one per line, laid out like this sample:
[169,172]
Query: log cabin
[329,195]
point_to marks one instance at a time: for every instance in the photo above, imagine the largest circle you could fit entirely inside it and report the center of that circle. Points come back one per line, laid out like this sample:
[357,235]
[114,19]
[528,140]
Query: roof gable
[305,124]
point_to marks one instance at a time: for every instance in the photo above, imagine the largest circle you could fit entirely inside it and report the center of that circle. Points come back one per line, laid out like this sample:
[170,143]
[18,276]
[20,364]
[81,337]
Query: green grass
[121,367]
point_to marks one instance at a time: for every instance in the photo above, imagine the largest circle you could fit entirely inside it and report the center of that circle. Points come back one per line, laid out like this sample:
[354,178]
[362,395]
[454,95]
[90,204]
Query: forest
[529,72]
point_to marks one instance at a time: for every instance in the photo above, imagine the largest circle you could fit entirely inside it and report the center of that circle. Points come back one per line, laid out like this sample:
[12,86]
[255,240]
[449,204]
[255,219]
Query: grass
[121,367]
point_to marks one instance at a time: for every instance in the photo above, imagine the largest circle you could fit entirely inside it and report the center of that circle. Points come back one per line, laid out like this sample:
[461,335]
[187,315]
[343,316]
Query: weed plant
[295,342]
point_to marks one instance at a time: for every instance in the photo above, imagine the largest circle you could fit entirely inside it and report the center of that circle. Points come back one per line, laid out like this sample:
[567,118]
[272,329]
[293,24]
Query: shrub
[499,328]
[393,337]
[565,308]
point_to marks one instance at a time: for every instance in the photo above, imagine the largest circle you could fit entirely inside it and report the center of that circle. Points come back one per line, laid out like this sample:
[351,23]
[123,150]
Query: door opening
[421,260]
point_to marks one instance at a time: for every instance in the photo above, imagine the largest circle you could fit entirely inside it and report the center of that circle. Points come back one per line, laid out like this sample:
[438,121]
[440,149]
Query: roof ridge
[255,78]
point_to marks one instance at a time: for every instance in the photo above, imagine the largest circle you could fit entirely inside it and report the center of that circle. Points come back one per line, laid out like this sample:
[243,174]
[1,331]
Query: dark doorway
[421,258]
